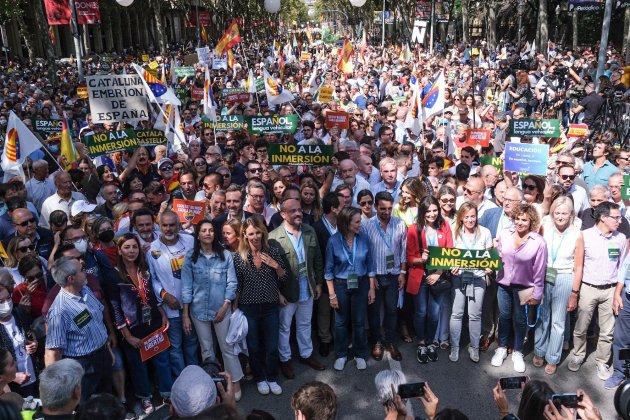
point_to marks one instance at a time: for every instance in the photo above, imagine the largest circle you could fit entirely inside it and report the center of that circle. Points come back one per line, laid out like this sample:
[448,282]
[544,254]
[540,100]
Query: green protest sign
[259,125]
[290,154]
[491,160]
[181,93]
[150,137]
[465,259]
[260,84]
[625,189]
[47,126]
[110,142]
[234,95]
[534,128]
[184,71]
[225,123]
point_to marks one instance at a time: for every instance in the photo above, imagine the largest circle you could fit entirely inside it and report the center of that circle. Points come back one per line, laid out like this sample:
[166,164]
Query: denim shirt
[207,283]
[337,265]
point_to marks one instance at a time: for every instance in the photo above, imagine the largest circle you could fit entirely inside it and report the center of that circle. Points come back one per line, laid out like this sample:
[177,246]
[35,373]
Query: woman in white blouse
[565,252]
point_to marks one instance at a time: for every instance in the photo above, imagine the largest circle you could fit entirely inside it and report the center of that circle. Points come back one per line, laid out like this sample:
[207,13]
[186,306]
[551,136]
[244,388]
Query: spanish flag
[345,57]
[230,59]
[230,38]
[204,35]
[67,146]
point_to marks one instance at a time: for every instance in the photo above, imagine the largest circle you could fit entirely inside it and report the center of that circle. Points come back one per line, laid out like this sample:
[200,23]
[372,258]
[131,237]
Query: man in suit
[496,220]
[234,203]
[306,274]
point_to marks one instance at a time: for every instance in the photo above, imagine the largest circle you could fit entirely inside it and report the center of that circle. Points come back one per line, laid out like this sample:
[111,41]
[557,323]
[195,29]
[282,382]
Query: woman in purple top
[521,281]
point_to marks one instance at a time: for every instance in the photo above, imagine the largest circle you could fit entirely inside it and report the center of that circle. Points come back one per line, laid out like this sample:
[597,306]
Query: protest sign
[325,94]
[305,56]
[625,189]
[477,136]
[203,55]
[190,59]
[82,92]
[116,98]
[534,128]
[491,160]
[275,124]
[235,95]
[577,130]
[153,65]
[196,93]
[110,142]
[530,159]
[219,62]
[150,137]
[184,71]
[464,259]
[189,211]
[338,119]
[47,126]
[289,154]
[154,344]
[225,123]
[260,84]
[145,58]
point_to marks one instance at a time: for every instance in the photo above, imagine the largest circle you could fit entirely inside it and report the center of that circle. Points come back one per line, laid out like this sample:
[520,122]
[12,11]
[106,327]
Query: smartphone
[513,382]
[220,379]
[414,390]
[624,354]
[568,400]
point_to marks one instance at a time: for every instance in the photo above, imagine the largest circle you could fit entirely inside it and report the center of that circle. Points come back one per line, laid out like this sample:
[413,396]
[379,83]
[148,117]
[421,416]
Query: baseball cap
[193,391]
[81,206]
[163,161]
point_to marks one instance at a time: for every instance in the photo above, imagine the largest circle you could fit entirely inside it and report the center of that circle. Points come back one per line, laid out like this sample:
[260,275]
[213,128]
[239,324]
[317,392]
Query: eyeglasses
[26,248]
[447,200]
[257,197]
[166,168]
[366,203]
[200,163]
[177,168]
[37,276]
[469,191]
[255,170]
[615,218]
[225,176]
[565,177]
[26,222]
[74,240]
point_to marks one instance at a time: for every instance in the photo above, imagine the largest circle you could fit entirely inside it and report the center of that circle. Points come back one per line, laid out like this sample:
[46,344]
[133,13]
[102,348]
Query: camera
[576,92]
[561,71]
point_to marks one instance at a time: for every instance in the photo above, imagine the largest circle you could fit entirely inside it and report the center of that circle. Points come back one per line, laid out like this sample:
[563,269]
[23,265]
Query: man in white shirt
[566,178]
[474,191]
[61,200]
[40,186]
[349,170]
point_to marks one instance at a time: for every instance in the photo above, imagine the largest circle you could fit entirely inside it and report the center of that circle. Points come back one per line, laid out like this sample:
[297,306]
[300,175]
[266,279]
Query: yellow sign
[82,92]
[305,56]
[145,58]
[153,65]
[325,94]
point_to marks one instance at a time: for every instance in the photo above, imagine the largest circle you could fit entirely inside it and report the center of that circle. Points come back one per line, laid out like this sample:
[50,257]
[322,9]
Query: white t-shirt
[481,240]
[23,360]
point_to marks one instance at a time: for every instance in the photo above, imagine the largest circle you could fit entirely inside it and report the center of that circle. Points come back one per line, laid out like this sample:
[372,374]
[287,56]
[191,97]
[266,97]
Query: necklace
[176,252]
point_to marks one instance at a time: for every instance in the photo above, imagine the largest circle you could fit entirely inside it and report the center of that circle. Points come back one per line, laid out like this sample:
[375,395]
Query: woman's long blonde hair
[243,244]
[459,224]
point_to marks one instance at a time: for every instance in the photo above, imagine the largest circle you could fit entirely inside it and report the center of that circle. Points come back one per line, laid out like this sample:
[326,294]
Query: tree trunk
[574,25]
[49,49]
[27,37]
[492,25]
[543,26]
[626,36]
[465,31]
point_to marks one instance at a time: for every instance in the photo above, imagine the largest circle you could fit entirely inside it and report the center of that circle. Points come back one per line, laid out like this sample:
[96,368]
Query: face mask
[6,308]
[54,148]
[81,246]
[106,236]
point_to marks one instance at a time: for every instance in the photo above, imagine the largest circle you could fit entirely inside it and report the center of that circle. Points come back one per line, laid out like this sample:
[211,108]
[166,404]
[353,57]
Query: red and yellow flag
[230,59]
[230,38]
[67,146]
[204,35]
[345,57]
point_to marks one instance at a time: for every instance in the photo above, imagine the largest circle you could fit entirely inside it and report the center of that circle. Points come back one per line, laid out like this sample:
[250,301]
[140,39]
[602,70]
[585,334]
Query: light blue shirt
[392,241]
[592,178]
[298,246]
[342,261]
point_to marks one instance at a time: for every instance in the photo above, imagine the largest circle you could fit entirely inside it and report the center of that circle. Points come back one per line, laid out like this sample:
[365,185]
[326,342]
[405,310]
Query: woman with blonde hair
[259,270]
[231,234]
[411,193]
[565,259]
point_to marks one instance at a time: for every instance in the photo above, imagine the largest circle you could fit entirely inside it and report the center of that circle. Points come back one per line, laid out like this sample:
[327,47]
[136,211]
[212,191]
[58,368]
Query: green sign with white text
[291,154]
[110,142]
[277,124]
[464,259]
[534,128]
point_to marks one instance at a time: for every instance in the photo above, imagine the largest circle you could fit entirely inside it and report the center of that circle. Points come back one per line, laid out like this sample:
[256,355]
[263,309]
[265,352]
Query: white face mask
[6,308]
[81,246]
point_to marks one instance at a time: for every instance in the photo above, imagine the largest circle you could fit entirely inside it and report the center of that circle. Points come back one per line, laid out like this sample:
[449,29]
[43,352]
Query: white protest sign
[419,31]
[116,98]
[219,62]
[203,55]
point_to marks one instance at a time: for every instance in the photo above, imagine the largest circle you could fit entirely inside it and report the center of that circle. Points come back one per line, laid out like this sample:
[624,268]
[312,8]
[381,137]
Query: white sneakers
[603,371]
[500,354]
[519,363]
[361,365]
[340,363]
[265,387]
[454,356]
[474,354]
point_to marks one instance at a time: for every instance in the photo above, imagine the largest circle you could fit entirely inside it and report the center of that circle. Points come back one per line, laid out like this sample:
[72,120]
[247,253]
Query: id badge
[146,314]
[389,262]
[302,270]
[353,281]
[613,253]
[551,274]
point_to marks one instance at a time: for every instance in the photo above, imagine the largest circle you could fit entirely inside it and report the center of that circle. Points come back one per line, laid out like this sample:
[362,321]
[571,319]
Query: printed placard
[82,92]
[276,124]
[338,119]
[225,123]
[527,127]
[189,211]
[116,98]
[495,161]
[154,344]
[203,55]
[305,56]
[530,159]
[477,136]
[464,259]
[289,154]
[235,95]
[184,71]
[196,93]
[325,94]
[47,126]
[150,137]
[577,130]
[110,142]
[625,189]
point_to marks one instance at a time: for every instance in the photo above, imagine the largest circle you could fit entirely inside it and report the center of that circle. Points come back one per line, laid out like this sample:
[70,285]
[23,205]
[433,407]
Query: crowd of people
[97,259]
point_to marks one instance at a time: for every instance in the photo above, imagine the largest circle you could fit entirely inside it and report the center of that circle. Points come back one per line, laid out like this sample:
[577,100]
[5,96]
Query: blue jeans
[140,376]
[511,312]
[263,331]
[425,320]
[386,294]
[551,326]
[183,351]
[352,309]
[621,337]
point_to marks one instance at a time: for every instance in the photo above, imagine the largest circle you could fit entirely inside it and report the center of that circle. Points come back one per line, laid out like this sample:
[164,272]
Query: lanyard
[474,242]
[388,241]
[431,241]
[354,251]
[328,226]
[140,286]
[554,253]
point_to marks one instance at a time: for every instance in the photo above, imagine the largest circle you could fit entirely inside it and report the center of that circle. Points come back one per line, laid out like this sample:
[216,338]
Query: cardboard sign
[338,119]
[203,55]
[189,211]
[110,142]
[190,59]
[491,160]
[305,56]
[530,159]
[145,58]
[475,136]
[184,71]
[275,124]
[82,92]
[196,93]
[577,130]
[116,98]
[47,126]
[154,344]
[235,95]
[289,154]
[464,259]
[219,62]
[325,94]
[150,137]
[225,123]
[534,128]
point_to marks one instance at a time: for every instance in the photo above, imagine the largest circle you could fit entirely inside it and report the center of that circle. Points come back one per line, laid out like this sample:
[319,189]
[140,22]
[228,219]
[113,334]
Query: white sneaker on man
[263,387]
[519,362]
[340,363]
[454,356]
[361,365]
[603,371]
[275,388]
[500,354]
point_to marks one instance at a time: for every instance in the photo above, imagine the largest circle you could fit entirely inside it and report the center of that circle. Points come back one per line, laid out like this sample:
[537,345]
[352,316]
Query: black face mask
[106,236]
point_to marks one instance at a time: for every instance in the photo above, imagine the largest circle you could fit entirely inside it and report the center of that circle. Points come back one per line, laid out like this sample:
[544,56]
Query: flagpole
[254,80]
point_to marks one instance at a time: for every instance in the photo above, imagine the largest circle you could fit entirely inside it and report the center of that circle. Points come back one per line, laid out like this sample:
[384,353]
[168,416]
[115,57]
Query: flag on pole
[67,146]
[251,82]
[204,35]
[433,102]
[362,48]
[209,104]
[51,35]
[19,142]
[179,135]
[230,59]
[157,92]
[230,38]
[281,65]
[276,94]
[414,113]
[173,76]
[345,57]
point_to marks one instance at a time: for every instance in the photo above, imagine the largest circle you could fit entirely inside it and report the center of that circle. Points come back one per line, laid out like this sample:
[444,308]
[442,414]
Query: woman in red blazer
[434,231]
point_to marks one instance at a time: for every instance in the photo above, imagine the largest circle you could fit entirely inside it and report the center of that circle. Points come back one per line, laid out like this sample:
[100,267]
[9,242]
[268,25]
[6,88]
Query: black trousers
[98,373]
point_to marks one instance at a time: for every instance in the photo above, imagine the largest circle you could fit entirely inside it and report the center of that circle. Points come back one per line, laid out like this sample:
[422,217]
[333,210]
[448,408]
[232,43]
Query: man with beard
[187,189]
[111,194]
[349,171]
[61,200]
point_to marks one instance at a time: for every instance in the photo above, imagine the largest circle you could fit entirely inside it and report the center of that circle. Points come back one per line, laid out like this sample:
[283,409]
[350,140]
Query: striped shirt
[75,324]
[388,243]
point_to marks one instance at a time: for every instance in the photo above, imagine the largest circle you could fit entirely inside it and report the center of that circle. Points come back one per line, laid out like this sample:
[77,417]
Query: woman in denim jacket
[208,290]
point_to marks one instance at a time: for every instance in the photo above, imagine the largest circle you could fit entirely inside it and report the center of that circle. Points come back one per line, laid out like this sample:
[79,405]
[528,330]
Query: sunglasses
[37,276]
[366,203]
[26,248]
[225,176]
[255,170]
[529,186]
[447,200]
[469,191]
[200,163]
[166,168]
[26,222]
[565,177]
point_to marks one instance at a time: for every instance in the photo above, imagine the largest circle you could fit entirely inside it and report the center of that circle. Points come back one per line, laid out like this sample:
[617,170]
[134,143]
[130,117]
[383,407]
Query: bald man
[489,175]
[349,170]
[474,191]
[367,171]
[26,224]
